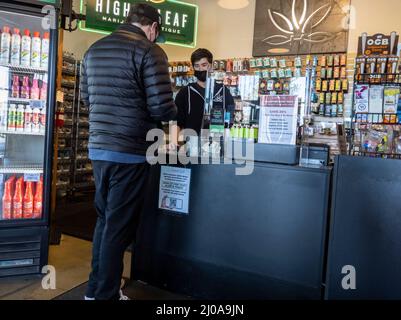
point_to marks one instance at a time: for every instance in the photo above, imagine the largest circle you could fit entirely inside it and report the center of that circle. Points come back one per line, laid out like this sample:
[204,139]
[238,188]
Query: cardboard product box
[362,99]
[391,97]
[376,96]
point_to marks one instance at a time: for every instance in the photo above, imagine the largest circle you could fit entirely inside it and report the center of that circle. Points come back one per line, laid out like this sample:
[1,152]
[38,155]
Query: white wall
[229,33]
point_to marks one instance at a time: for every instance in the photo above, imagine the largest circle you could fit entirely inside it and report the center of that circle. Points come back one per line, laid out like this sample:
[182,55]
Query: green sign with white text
[180,19]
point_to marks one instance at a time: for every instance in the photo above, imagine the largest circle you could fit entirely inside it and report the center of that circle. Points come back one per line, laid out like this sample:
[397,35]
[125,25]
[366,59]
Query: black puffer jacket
[126,83]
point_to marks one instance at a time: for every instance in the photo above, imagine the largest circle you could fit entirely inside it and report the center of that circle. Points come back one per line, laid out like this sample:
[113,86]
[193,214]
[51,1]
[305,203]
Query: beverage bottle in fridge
[3,116]
[18,199]
[36,120]
[19,123]
[36,44]
[16,48]
[26,49]
[28,201]
[25,89]
[35,91]
[5,45]
[2,183]
[16,88]
[12,114]
[43,91]
[45,51]
[38,200]
[8,199]
[28,119]
[42,120]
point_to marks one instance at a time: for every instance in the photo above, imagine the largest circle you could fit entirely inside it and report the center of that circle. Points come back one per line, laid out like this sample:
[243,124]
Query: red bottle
[8,199]
[38,200]
[18,199]
[28,201]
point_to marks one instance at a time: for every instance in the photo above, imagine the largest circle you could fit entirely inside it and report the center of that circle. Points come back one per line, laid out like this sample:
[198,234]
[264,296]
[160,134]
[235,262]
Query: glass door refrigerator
[28,55]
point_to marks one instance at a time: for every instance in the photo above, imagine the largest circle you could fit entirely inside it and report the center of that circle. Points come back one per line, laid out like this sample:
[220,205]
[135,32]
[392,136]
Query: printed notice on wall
[278,119]
[174,189]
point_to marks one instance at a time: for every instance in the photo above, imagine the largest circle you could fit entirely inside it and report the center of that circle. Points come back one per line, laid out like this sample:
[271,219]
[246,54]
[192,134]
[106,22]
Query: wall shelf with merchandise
[376,118]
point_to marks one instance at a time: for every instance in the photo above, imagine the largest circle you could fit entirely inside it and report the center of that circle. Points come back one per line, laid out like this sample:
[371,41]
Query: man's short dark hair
[200,54]
[134,16]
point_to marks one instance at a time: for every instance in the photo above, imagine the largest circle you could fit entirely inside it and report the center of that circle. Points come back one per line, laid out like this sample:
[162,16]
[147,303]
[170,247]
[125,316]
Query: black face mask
[201,75]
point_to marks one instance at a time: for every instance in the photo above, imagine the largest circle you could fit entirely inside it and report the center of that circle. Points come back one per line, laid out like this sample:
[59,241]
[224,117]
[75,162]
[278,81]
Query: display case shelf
[22,169]
[377,155]
[68,72]
[68,85]
[20,69]
[377,118]
[37,134]
[83,185]
[378,79]
[23,101]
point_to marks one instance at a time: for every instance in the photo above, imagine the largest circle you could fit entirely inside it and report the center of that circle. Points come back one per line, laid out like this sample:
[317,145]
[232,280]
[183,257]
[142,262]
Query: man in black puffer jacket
[126,84]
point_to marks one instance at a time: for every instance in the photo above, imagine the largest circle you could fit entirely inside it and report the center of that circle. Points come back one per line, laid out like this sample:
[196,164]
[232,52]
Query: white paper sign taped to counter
[174,189]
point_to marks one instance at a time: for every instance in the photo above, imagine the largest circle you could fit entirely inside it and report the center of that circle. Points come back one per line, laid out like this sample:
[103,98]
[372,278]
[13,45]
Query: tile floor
[72,262]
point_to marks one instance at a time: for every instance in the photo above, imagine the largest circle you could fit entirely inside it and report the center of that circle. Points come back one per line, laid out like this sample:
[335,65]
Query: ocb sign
[180,19]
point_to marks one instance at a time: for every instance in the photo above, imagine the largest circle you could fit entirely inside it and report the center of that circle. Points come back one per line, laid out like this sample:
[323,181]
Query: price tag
[32,177]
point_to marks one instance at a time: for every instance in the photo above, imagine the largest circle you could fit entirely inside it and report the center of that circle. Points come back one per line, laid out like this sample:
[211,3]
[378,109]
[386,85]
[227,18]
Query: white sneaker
[89,299]
[123,296]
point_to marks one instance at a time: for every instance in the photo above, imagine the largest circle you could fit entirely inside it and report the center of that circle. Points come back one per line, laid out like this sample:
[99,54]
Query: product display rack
[66,134]
[181,74]
[83,180]
[27,102]
[376,134]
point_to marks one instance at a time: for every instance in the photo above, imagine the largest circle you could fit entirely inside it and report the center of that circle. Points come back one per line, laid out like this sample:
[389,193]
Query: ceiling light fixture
[233,4]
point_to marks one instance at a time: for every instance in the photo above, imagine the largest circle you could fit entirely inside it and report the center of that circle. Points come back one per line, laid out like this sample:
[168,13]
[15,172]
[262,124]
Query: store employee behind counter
[190,100]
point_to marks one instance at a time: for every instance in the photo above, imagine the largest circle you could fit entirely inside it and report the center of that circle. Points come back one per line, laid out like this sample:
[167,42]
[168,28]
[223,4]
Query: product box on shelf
[376,96]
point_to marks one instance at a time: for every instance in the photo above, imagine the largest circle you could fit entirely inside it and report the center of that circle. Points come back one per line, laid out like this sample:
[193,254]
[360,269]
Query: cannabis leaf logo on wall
[300,28]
